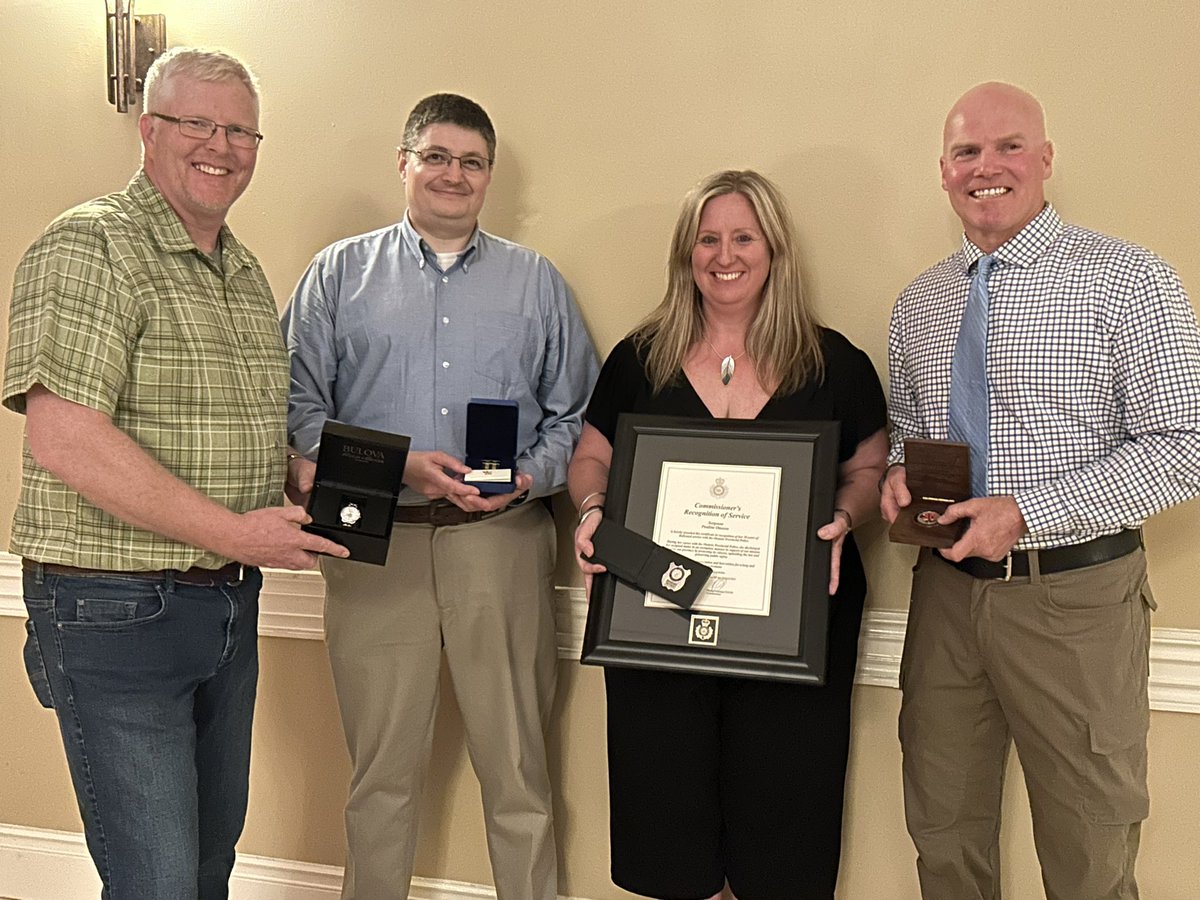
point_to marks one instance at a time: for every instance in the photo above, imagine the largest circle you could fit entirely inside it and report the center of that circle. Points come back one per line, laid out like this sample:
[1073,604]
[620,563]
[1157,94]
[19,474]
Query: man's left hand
[996,525]
[491,502]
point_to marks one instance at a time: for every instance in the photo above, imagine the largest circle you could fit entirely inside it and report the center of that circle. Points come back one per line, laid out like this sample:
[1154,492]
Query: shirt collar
[423,253]
[166,228]
[1024,247]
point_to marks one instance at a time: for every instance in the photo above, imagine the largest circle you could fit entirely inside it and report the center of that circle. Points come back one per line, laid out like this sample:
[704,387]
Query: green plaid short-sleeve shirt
[114,307]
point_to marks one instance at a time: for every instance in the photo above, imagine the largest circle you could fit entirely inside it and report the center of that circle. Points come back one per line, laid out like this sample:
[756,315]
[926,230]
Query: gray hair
[196,63]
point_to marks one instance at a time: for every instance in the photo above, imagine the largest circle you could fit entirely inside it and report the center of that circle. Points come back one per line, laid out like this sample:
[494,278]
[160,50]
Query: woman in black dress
[726,786]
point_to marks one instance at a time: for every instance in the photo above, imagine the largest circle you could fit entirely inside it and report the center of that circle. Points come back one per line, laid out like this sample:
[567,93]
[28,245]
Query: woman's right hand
[583,547]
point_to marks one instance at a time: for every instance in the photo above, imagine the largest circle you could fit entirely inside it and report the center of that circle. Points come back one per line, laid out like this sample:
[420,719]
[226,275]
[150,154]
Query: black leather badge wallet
[648,566]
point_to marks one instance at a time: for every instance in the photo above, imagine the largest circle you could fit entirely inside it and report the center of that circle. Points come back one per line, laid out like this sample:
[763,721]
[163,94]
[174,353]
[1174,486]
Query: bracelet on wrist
[883,477]
[583,502]
[587,512]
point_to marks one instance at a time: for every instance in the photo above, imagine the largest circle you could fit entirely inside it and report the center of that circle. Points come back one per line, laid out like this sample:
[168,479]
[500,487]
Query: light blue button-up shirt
[379,336]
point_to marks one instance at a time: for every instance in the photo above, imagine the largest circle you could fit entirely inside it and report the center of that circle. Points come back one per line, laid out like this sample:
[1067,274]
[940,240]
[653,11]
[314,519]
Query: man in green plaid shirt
[145,353]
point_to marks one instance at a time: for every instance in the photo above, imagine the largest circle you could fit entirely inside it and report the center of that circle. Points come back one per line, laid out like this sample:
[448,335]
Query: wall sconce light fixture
[133,44]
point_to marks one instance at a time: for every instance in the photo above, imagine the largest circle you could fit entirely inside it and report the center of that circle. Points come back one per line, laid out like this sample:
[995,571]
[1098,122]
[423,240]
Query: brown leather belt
[233,573]
[1058,559]
[439,512]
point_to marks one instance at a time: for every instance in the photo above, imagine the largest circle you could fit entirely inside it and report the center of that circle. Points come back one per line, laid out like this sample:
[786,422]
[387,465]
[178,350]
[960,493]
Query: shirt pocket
[508,348]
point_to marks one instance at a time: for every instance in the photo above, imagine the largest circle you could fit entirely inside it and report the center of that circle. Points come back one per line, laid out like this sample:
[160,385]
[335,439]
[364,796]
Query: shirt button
[445,320]
[445,279]
[445,364]
[445,412]
[421,264]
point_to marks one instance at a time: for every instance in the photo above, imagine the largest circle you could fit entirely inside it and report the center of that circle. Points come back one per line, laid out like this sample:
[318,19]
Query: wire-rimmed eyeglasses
[202,129]
[437,158]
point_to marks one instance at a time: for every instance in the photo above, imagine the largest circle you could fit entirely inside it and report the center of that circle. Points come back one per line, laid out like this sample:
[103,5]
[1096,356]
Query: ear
[402,165]
[1047,159]
[146,128]
[942,170]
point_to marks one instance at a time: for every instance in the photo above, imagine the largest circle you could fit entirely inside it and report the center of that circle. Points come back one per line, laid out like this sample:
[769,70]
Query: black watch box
[359,476]
[492,445]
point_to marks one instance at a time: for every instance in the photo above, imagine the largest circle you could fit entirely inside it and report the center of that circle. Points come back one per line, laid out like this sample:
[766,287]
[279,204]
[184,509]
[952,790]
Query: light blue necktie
[969,406]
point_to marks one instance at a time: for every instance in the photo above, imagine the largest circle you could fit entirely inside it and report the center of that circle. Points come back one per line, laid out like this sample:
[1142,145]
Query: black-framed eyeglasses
[202,129]
[437,158]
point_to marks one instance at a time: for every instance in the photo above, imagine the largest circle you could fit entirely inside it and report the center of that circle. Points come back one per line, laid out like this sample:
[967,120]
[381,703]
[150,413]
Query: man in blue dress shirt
[397,330]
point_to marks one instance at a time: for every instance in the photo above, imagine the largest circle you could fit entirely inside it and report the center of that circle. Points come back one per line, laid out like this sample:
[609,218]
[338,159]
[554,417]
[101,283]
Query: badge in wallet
[648,566]
[938,473]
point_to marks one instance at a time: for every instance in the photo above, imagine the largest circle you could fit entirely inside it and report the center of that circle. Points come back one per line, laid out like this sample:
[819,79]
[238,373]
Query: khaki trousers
[483,593]
[1057,664]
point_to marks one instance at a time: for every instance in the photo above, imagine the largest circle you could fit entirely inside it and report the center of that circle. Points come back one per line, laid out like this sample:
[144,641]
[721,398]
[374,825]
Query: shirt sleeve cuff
[1043,510]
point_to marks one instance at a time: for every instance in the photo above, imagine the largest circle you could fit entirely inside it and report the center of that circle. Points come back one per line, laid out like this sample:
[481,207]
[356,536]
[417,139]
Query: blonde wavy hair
[784,339]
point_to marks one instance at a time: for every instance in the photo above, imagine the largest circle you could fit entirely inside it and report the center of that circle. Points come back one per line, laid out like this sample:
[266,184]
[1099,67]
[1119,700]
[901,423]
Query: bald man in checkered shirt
[1034,627]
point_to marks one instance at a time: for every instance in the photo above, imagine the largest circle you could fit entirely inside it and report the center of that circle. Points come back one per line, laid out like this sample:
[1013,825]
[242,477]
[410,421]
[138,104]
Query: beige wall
[607,113]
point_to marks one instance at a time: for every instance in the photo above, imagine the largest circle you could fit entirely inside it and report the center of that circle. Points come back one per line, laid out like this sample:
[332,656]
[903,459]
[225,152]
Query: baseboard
[292,606]
[40,864]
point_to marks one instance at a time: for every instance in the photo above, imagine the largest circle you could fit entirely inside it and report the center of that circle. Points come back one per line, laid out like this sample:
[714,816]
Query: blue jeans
[153,682]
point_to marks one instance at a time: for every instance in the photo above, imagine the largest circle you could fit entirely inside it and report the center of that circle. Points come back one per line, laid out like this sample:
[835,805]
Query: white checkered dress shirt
[1093,368]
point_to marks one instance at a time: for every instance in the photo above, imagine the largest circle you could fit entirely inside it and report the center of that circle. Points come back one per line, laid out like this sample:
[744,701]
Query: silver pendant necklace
[728,362]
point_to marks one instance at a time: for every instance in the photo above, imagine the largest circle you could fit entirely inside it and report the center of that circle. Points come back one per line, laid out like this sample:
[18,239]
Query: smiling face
[200,179]
[730,259]
[444,201]
[995,161]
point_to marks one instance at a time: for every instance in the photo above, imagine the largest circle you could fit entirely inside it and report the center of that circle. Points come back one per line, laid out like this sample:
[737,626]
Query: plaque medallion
[704,630]
[927,517]
[350,514]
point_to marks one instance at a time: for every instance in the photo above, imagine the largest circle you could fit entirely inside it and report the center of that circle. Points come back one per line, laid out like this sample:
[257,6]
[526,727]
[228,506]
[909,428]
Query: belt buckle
[1008,566]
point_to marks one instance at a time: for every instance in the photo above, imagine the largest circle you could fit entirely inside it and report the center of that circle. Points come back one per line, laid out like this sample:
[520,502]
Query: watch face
[350,514]
[927,517]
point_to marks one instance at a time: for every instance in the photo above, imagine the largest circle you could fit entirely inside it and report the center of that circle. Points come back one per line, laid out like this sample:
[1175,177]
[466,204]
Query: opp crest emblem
[675,577]
[703,630]
[719,488]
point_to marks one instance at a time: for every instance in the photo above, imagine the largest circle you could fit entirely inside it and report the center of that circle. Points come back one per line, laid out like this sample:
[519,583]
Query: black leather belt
[439,512]
[233,573]
[1058,559]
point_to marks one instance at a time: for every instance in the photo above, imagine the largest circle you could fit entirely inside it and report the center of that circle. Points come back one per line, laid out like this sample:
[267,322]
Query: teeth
[989,192]
[211,170]
[727,276]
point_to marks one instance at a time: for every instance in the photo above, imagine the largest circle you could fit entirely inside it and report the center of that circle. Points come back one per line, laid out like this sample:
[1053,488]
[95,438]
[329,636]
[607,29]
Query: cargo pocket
[1116,792]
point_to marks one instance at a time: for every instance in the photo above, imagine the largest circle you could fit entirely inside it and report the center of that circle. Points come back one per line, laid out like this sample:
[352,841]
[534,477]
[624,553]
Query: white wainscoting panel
[292,606]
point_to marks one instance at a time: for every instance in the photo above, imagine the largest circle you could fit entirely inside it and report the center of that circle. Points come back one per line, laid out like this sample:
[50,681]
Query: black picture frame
[791,643]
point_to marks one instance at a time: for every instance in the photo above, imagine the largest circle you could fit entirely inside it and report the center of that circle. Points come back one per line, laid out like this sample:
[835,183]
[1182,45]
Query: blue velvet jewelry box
[492,445]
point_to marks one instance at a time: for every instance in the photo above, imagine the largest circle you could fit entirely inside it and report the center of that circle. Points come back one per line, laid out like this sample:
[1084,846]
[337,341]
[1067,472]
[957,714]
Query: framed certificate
[745,498]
